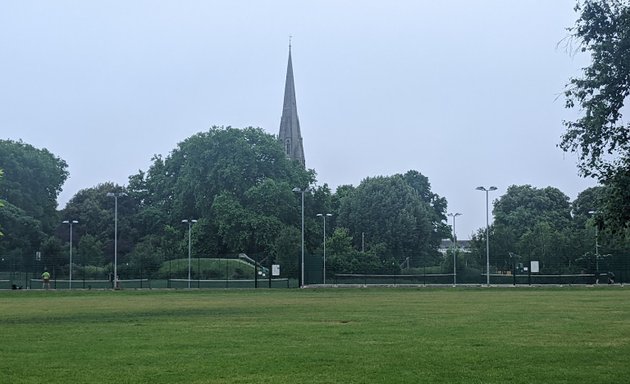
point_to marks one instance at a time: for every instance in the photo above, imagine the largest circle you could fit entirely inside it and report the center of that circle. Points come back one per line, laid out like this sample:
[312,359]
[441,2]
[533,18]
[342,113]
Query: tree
[237,182]
[52,254]
[90,251]
[1,204]
[32,181]
[599,135]
[531,222]
[20,243]
[209,163]
[94,211]
[344,258]
[398,211]
[603,30]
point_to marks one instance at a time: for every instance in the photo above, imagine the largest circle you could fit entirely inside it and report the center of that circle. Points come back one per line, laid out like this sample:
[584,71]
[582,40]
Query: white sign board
[275,270]
[534,265]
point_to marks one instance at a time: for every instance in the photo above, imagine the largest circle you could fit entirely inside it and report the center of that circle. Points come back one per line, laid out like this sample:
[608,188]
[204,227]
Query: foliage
[287,251]
[53,255]
[529,222]
[32,181]
[398,211]
[344,258]
[1,203]
[600,136]
[94,211]
[90,250]
[24,237]
[603,30]
[236,182]
[616,202]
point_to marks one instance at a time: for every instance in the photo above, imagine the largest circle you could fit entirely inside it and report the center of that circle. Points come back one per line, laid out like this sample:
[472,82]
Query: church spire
[290,134]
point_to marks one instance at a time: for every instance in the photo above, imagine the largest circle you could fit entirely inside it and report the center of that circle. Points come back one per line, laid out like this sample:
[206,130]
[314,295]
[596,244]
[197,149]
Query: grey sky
[466,92]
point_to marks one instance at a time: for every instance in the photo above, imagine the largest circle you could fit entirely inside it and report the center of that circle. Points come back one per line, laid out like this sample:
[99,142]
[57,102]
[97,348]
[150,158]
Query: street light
[324,216]
[596,249]
[116,196]
[486,190]
[302,191]
[70,222]
[454,215]
[190,223]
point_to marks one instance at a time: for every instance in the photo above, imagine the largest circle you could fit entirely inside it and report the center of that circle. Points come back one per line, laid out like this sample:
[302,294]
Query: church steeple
[290,134]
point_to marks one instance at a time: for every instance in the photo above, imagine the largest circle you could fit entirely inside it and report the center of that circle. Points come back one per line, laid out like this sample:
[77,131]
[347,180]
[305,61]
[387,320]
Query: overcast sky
[466,92]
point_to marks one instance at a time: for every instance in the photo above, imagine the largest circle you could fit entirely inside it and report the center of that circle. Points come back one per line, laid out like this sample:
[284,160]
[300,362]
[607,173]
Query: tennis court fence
[495,279]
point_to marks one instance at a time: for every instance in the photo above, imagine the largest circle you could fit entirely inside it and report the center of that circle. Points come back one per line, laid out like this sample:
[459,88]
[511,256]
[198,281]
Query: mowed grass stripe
[316,336]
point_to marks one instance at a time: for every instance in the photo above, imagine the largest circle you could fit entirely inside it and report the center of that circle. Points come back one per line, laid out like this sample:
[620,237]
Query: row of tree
[238,185]
[543,225]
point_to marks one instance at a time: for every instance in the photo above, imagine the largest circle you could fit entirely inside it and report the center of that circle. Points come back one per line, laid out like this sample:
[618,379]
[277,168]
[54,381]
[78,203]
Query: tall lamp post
[190,223]
[596,249]
[324,216]
[302,191]
[486,190]
[115,195]
[454,215]
[70,222]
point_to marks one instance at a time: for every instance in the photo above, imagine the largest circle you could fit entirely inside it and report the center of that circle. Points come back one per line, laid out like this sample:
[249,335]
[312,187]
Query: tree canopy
[398,211]
[32,179]
[599,135]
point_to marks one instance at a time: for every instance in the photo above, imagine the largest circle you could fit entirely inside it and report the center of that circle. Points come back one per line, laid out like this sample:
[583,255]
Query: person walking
[45,280]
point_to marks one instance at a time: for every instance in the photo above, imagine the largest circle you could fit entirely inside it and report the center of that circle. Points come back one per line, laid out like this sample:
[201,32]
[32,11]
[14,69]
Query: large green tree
[236,182]
[599,134]
[94,211]
[533,223]
[32,180]
[398,211]
[1,204]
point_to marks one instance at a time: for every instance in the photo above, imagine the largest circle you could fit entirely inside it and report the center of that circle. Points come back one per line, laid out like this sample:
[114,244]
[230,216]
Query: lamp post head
[454,215]
[302,190]
[492,188]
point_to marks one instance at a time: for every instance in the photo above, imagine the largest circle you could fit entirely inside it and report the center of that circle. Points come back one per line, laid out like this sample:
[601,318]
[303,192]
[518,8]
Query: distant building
[446,244]
[290,135]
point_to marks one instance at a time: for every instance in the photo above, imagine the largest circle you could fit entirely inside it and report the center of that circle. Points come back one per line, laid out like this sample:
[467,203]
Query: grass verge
[544,335]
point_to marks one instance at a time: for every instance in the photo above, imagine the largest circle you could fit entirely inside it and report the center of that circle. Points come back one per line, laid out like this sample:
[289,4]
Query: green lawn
[525,335]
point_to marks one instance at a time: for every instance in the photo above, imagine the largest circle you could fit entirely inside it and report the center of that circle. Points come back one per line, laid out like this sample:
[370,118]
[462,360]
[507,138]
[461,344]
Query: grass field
[527,335]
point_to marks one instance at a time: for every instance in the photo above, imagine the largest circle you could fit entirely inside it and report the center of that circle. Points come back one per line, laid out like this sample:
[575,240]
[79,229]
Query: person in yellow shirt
[45,280]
